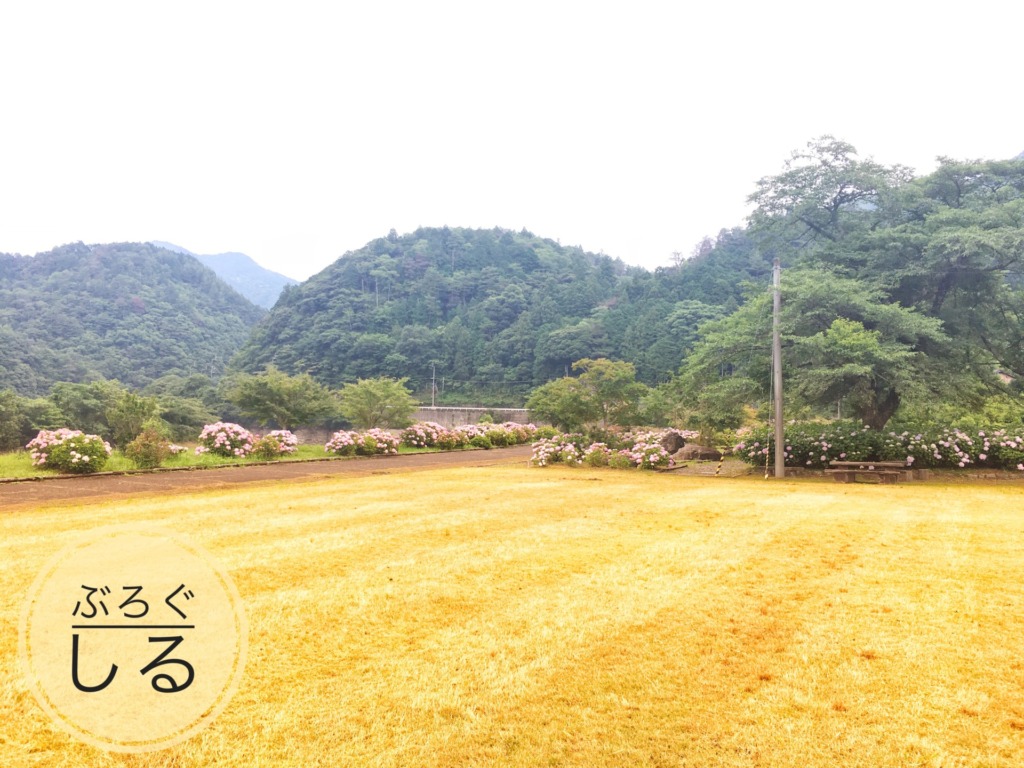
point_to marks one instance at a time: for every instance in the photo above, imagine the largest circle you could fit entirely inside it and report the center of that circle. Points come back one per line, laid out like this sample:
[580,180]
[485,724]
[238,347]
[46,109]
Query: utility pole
[780,437]
[433,381]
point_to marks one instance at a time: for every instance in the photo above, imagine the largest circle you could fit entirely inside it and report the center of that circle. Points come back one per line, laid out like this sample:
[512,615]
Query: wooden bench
[886,471]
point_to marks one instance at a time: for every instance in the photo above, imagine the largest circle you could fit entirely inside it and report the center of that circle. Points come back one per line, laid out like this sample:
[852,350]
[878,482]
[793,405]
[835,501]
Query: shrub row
[71,451]
[429,434]
[814,445]
[633,450]
[372,442]
[235,441]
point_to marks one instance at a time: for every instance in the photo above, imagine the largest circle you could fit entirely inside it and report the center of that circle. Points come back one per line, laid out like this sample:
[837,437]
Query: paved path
[73,488]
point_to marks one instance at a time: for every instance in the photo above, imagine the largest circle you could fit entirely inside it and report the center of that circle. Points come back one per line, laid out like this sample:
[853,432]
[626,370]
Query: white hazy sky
[297,131]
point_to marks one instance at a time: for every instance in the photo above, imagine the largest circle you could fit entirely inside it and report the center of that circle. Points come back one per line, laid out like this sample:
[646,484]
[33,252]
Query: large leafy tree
[956,253]
[377,402]
[841,340]
[563,404]
[947,248]
[85,406]
[128,413]
[824,193]
[22,417]
[605,393]
[287,401]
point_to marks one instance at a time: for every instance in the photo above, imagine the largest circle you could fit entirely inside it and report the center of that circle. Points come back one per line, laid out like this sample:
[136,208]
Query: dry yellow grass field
[573,617]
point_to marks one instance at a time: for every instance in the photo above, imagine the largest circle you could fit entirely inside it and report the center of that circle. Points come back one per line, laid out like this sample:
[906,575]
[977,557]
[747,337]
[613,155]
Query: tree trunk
[877,414]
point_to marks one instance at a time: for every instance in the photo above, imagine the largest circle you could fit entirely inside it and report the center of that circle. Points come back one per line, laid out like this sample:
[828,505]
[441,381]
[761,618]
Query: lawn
[18,464]
[575,617]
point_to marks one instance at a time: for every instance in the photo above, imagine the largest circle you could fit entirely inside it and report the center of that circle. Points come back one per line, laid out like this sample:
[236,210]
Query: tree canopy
[287,401]
[898,289]
[378,402]
[606,393]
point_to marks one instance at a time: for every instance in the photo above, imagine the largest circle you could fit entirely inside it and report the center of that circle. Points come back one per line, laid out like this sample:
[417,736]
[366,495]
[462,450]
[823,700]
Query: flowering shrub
[643,451]
[226,439]
[275,444]
[815,445]
[1007,450]
[342,443]
[469,431]
[619,460]
[647,454]
[422,435]
[451,439]
[521,433]
[69,450]
[564,449]
[500,437]
[429,434]
[376,442]
[812,445]
[596,455]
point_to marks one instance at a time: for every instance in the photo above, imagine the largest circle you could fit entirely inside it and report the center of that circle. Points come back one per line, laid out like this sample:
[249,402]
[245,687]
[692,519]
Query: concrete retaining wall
[453,417]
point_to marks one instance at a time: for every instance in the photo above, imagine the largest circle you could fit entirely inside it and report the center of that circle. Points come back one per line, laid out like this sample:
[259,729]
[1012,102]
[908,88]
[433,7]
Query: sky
[295,132]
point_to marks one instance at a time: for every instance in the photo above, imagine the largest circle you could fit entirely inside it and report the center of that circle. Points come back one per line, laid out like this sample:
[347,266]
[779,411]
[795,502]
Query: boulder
[672,443]
[693,452]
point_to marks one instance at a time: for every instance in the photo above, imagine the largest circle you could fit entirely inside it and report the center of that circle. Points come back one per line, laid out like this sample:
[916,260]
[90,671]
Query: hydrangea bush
[342,443]
[275,444]
[69,451]
[376,442]
[647,454]
[815,445]
[422,435]
[372,442]
[643,451]
[597,455]
[812,445]
[226,439]
[429,434]
[561,449]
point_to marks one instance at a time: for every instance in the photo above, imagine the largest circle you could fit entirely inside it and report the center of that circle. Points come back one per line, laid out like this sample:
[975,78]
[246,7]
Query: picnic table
[885,471]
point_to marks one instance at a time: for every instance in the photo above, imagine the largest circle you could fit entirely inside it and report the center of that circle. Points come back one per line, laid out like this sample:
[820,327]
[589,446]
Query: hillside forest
[903,297]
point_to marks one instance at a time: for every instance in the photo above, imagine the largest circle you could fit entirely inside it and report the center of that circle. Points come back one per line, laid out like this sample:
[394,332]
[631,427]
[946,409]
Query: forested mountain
[258,284]
[493,313]
[126,311]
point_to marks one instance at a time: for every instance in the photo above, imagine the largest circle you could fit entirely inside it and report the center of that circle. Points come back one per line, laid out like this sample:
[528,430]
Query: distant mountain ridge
[258,284]
[487,315]
[127,311]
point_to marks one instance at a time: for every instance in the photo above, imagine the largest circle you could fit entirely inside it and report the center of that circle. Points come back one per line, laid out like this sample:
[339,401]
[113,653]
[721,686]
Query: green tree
[12,421]
[85,406]
[127,414]
[840,339]
[287,401]
[612,386]
[564,404]
[378,402]
[823,193]
[606,393]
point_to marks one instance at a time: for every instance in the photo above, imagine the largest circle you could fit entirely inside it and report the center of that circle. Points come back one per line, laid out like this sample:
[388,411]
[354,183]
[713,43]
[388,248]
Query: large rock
[672,442]
[692,452]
